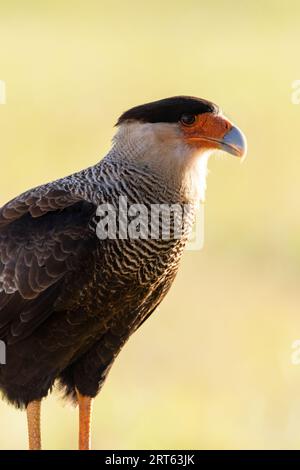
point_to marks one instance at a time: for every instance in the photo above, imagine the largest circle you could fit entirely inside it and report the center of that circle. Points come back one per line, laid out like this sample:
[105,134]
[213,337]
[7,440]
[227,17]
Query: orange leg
[34,424]
[85,411]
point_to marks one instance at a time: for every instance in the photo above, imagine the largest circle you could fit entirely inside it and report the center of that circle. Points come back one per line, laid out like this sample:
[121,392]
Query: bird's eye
[188,119]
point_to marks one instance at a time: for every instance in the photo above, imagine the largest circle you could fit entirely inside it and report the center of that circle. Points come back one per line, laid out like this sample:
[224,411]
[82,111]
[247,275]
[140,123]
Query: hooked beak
[234,142]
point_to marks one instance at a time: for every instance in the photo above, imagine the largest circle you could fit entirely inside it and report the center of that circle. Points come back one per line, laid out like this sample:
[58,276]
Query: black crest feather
[168,109]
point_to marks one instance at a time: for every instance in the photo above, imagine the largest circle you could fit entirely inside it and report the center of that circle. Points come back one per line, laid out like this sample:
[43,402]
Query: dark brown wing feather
[43,237]
[37,202]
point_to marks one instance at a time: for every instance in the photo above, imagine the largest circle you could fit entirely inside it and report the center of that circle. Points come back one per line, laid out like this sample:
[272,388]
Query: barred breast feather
[68,300]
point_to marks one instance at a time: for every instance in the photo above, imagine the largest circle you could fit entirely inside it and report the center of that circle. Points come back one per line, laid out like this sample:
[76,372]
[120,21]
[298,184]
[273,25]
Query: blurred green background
[212,368]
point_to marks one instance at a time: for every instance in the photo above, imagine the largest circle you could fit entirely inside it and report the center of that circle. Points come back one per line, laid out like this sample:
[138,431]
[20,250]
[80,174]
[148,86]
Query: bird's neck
[171,164]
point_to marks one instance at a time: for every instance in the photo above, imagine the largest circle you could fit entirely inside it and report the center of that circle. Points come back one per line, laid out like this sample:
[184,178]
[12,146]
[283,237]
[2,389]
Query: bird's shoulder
[54,196]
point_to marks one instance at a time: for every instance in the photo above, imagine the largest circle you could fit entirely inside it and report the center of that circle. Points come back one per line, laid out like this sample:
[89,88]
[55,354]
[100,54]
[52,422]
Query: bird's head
[175,136]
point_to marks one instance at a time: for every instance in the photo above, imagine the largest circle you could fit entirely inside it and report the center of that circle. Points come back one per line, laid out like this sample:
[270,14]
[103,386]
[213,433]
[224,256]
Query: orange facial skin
[207,131]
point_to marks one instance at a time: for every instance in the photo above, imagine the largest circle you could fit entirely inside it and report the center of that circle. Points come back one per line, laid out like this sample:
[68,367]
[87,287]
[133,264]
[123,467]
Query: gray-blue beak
[234,142]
